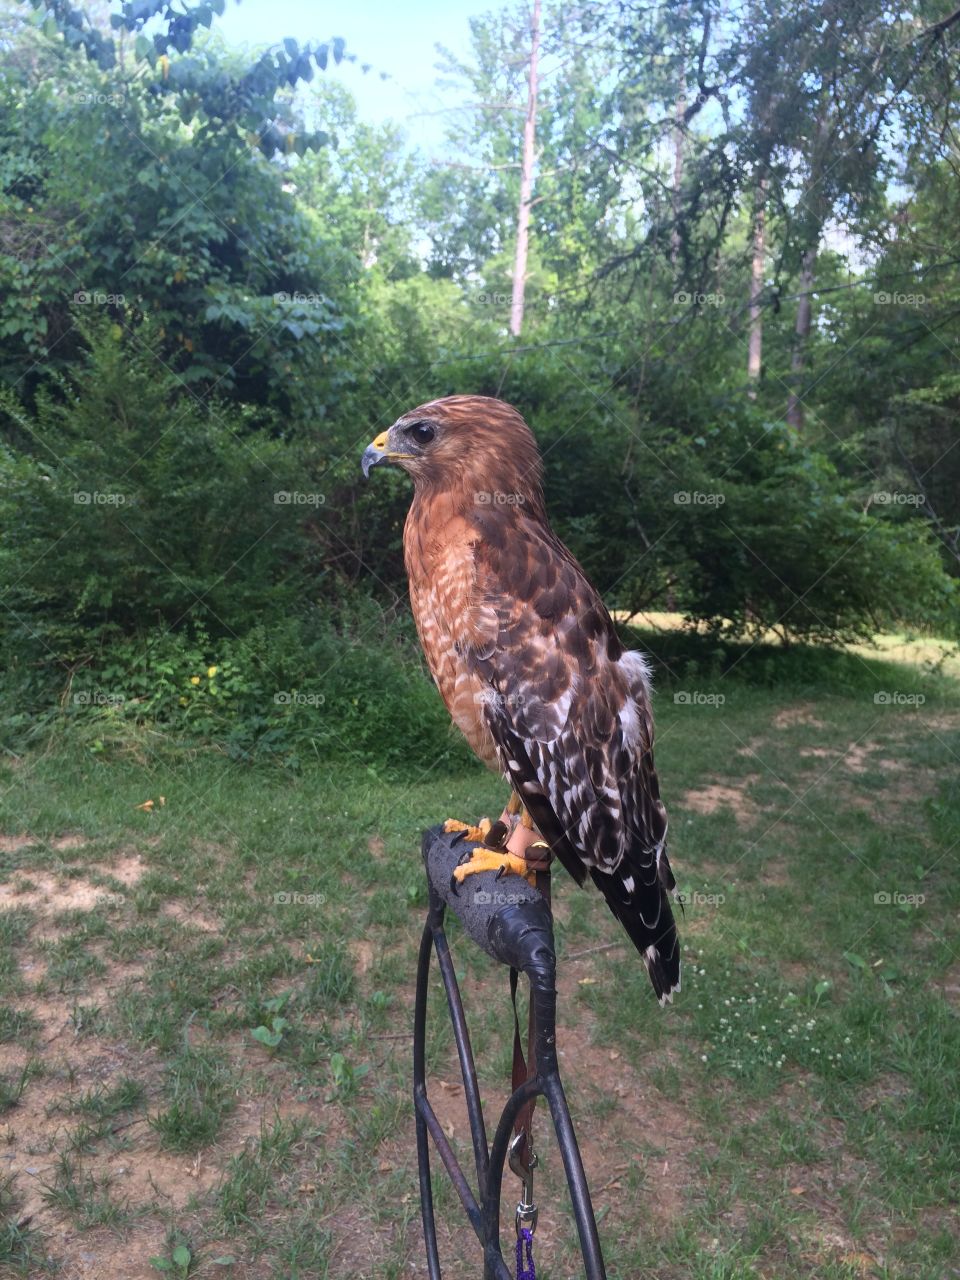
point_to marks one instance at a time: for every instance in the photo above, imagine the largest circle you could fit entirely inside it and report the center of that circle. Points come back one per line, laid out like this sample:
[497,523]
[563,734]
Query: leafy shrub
[128,504]
[307,687]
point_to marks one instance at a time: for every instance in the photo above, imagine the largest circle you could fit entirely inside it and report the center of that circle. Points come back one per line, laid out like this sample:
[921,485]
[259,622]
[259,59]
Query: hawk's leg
[510,856]
[492,834]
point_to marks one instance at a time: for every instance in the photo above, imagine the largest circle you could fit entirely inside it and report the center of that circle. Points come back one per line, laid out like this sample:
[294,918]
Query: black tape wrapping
[507,918]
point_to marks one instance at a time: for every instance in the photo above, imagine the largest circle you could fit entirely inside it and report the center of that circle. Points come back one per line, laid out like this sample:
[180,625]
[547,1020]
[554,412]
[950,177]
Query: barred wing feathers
[569,713]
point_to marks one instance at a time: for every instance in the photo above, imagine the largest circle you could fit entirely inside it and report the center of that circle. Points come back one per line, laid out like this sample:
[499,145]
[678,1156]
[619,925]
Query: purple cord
[527,1272]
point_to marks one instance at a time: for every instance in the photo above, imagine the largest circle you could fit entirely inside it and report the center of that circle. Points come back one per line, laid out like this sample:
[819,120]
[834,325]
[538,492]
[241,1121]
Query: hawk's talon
[501,861]
[464,831]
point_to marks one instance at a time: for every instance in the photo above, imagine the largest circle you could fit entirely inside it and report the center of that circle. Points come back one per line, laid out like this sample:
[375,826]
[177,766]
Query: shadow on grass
[804,669]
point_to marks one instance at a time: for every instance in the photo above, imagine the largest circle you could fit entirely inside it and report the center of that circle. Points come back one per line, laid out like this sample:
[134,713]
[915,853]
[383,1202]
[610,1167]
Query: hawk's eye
[421,432]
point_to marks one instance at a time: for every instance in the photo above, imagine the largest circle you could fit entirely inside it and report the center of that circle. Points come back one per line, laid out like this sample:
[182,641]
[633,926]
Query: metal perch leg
[512,922]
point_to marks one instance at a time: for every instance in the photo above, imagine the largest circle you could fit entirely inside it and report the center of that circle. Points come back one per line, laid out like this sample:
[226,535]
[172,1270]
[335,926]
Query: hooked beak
[375,453]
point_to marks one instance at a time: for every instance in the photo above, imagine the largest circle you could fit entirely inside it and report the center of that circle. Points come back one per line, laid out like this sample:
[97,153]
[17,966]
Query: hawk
[530,667]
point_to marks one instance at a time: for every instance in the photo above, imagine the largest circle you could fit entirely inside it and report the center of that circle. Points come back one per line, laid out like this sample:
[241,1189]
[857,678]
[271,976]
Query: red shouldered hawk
[528,662]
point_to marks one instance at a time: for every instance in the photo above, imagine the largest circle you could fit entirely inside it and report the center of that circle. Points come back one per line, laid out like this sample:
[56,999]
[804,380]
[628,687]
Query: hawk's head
[463,442]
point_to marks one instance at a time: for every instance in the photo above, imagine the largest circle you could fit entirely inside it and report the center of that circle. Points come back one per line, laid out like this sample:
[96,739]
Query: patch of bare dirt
[51,893]
[26,840]
[802,713]
[449,1103]
[127,867]
[856,758]
[362,953]
[776,873]
[904,783]
[191,914]
[943,721]
[36,1127]
[714,797]
[58,1041]
[949,985]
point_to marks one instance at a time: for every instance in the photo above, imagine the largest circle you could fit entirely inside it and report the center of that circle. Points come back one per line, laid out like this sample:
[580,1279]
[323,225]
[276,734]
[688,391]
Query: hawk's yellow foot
[484,859]
[473,835]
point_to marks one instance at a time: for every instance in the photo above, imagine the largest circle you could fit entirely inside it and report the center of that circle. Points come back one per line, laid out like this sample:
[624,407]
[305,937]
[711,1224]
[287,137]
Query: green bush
[127,504]
[156,575]
[696,503]
[303,688]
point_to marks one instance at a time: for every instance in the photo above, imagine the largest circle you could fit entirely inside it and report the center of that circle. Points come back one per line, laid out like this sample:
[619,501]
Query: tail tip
[663,986]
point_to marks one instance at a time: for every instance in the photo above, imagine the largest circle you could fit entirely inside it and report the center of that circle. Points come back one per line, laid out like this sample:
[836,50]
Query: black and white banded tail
[639,897]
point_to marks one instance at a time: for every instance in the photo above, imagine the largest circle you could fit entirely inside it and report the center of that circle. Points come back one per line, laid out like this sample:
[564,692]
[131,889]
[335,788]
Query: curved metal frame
[484,1212]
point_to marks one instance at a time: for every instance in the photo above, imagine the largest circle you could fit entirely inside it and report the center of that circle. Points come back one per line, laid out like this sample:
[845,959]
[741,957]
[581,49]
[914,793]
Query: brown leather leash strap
[525,1068]
[521,1072]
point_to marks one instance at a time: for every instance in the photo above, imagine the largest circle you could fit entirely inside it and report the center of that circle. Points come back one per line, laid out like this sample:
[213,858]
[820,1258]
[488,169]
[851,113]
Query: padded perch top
[507,918]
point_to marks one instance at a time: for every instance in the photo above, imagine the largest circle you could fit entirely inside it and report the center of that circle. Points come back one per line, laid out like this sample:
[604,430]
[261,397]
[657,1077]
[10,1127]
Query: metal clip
[527,1211]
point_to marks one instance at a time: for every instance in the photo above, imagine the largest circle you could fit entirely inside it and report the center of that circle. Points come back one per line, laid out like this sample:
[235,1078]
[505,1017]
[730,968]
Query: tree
[183,220]
[526,179]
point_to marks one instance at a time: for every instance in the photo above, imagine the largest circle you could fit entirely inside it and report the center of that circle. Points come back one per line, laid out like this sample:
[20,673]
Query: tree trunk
[818,209]
[526,181]
[801,335]
[678,126]
[757,273]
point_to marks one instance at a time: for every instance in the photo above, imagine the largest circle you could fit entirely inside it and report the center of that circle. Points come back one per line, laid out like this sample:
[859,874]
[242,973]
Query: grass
[793,1114]
[20,1253]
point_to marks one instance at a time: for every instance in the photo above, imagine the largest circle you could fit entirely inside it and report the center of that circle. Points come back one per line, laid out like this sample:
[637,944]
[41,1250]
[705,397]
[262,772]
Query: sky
[395,36]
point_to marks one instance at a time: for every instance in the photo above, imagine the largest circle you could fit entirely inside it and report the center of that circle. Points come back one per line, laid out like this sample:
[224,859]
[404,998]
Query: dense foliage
[217,282]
